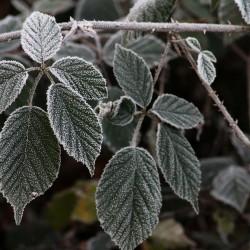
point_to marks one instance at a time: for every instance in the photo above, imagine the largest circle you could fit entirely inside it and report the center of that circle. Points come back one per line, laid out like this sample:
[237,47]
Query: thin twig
[162,62]
[134,141]
[33,89]
[233,124]
[147,26]
[50,77]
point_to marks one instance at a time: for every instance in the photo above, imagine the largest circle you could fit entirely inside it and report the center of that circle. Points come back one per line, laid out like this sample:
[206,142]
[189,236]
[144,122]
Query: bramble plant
[128,196]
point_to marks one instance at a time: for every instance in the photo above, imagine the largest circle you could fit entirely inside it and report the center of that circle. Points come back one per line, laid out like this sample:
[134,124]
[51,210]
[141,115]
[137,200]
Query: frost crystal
[41,37]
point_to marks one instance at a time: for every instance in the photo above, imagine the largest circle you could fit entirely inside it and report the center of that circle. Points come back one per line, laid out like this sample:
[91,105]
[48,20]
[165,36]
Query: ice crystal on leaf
[176,111]
[29,157]
[81,76]
[178,163]
[244,6]
[41,37]
[12,79]
[129,197]
[75,124]
[133,75]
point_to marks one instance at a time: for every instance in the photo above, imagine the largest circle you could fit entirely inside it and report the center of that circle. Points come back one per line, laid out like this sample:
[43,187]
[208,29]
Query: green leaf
[124,112]
[148,11]
[60,208]
[133,75]
[176,111]
[41,37]
[193,43]
[206,69]
[244,7]
[232,186]
[178,163]
[129,198]
[149,48]
[8,24]
[52,7]
[76,49]
[81,76]
[29,157]
[12,79]
[104,10]
[75,124]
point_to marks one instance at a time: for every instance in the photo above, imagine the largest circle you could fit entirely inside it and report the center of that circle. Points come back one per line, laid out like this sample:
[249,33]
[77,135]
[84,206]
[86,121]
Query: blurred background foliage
[65,216]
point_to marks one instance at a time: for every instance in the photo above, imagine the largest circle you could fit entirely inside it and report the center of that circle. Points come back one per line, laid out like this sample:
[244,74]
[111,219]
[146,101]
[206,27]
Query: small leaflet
[193,43]
[75,124]
[232,186]
[81,76]
[29,157]
[41,37]
[133,75]
[210,55]
[128,197]
[244,6]
[124,111]
[206,69]
[178,163]
[12,79]
[177,111]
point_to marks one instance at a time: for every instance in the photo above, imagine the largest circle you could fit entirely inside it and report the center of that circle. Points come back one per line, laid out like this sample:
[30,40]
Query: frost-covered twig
[147,26]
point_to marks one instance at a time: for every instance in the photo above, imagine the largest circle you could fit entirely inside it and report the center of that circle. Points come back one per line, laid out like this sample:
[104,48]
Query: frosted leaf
[124,112]
[8,24]
[81,76]
[149,48]
[148,11]
[232,186]
[210,55]
[75,124]
[206,69]
[41,37]
[244,6]
[133,75]
[193,43]
[176,111]
[128,197]
[178,163]
[75,49]
[29,157]
[12,79]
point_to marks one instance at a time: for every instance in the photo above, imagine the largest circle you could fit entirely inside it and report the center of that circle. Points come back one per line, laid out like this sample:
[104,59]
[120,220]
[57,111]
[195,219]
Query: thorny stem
[162,62]
[33,89]
[174,27]
[134,141]
[233,124]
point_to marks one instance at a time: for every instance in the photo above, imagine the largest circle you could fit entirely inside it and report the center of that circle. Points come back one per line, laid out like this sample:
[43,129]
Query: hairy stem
[174,27]
[134,141]
[33,89]
[233,124]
